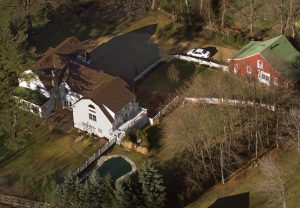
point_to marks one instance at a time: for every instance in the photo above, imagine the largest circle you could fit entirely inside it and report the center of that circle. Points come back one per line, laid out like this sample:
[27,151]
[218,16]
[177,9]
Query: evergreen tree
[13,59]
[128,193]
[108,192]
[84,195]
[95,197]
[153,189]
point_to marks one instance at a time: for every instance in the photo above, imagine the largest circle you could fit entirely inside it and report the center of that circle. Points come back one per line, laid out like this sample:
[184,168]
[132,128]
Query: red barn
[272,62]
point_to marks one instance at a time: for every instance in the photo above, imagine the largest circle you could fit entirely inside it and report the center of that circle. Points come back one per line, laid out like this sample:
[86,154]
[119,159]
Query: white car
[199,53]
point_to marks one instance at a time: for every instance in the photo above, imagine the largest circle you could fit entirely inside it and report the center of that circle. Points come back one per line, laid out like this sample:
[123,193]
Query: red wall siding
[252,62]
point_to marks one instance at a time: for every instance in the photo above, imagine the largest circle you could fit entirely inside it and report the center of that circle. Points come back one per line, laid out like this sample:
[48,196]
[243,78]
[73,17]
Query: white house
[102,104]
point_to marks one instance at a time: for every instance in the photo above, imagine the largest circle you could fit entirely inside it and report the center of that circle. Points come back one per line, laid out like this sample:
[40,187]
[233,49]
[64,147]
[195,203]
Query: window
[92,117]
[249,69]
[276,81]
[91,106]
[235,68]
[264,77]
[260,64]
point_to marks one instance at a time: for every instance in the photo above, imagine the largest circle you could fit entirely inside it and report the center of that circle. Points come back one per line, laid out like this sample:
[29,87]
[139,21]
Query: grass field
[47,154]
[157,88]
[249,181]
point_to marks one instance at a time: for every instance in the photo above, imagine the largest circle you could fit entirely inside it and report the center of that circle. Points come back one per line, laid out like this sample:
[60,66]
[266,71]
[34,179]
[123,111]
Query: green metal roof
[278,52]
[30,96]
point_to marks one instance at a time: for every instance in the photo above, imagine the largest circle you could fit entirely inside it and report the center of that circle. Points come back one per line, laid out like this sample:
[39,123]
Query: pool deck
[107,157]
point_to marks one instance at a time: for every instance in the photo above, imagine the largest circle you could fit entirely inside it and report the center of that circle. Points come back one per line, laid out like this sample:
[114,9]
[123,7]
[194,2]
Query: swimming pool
[116,167]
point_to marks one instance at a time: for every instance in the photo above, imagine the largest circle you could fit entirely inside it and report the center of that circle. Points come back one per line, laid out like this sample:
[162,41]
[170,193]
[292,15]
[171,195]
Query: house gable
[88,116]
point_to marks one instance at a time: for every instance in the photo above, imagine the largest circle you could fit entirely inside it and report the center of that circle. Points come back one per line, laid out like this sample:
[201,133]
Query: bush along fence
[95,157]
[19,202]
[229,102]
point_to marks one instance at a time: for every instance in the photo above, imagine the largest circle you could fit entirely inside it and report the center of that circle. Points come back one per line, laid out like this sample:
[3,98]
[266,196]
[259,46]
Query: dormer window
[260,65]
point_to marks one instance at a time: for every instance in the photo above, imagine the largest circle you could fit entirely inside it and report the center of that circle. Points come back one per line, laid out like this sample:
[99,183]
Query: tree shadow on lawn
[90,22]
[233,201]
[154,137]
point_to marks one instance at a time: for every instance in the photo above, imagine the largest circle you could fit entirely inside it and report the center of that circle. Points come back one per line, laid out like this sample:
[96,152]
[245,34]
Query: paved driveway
[127,55]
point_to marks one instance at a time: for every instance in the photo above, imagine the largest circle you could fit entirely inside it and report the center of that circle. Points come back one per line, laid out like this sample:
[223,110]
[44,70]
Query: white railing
[95,157]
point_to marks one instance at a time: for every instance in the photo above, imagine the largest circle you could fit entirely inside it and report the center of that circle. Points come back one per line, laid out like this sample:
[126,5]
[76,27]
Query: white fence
[95,156]
[164,110]
[200,61]
[147,70]
[229,102]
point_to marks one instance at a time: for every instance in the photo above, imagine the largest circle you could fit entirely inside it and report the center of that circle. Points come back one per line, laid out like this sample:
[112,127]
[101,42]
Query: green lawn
[249,180]
[47,154]
[156,88]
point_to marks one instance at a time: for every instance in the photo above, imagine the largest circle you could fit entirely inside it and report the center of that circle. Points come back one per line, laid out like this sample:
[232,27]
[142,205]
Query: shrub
[240,40]
[231,38]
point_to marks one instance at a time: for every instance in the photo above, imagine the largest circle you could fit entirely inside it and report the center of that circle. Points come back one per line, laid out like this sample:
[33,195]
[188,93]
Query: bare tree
[273,186]
[292,124]
[252,15]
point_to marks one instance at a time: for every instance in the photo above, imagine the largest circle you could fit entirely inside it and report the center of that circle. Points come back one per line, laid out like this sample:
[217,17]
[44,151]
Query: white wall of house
[69,98]
[101,126]
[34,83]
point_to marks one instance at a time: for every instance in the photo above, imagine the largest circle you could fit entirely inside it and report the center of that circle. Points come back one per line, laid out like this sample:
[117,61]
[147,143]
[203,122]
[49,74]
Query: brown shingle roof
[82,78]
[98,86]
[113,95]
[55,58]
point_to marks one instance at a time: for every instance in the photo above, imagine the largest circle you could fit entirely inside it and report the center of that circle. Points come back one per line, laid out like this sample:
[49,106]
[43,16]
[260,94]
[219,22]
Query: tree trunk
[188,12]
[153,5]
[281,17]
[277,130]
[252,9]
[14,127]
[222,162]
[223,14]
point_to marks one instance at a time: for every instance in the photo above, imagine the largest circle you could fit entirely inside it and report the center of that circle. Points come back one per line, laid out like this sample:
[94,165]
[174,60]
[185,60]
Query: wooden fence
[19,202]
[95,156]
